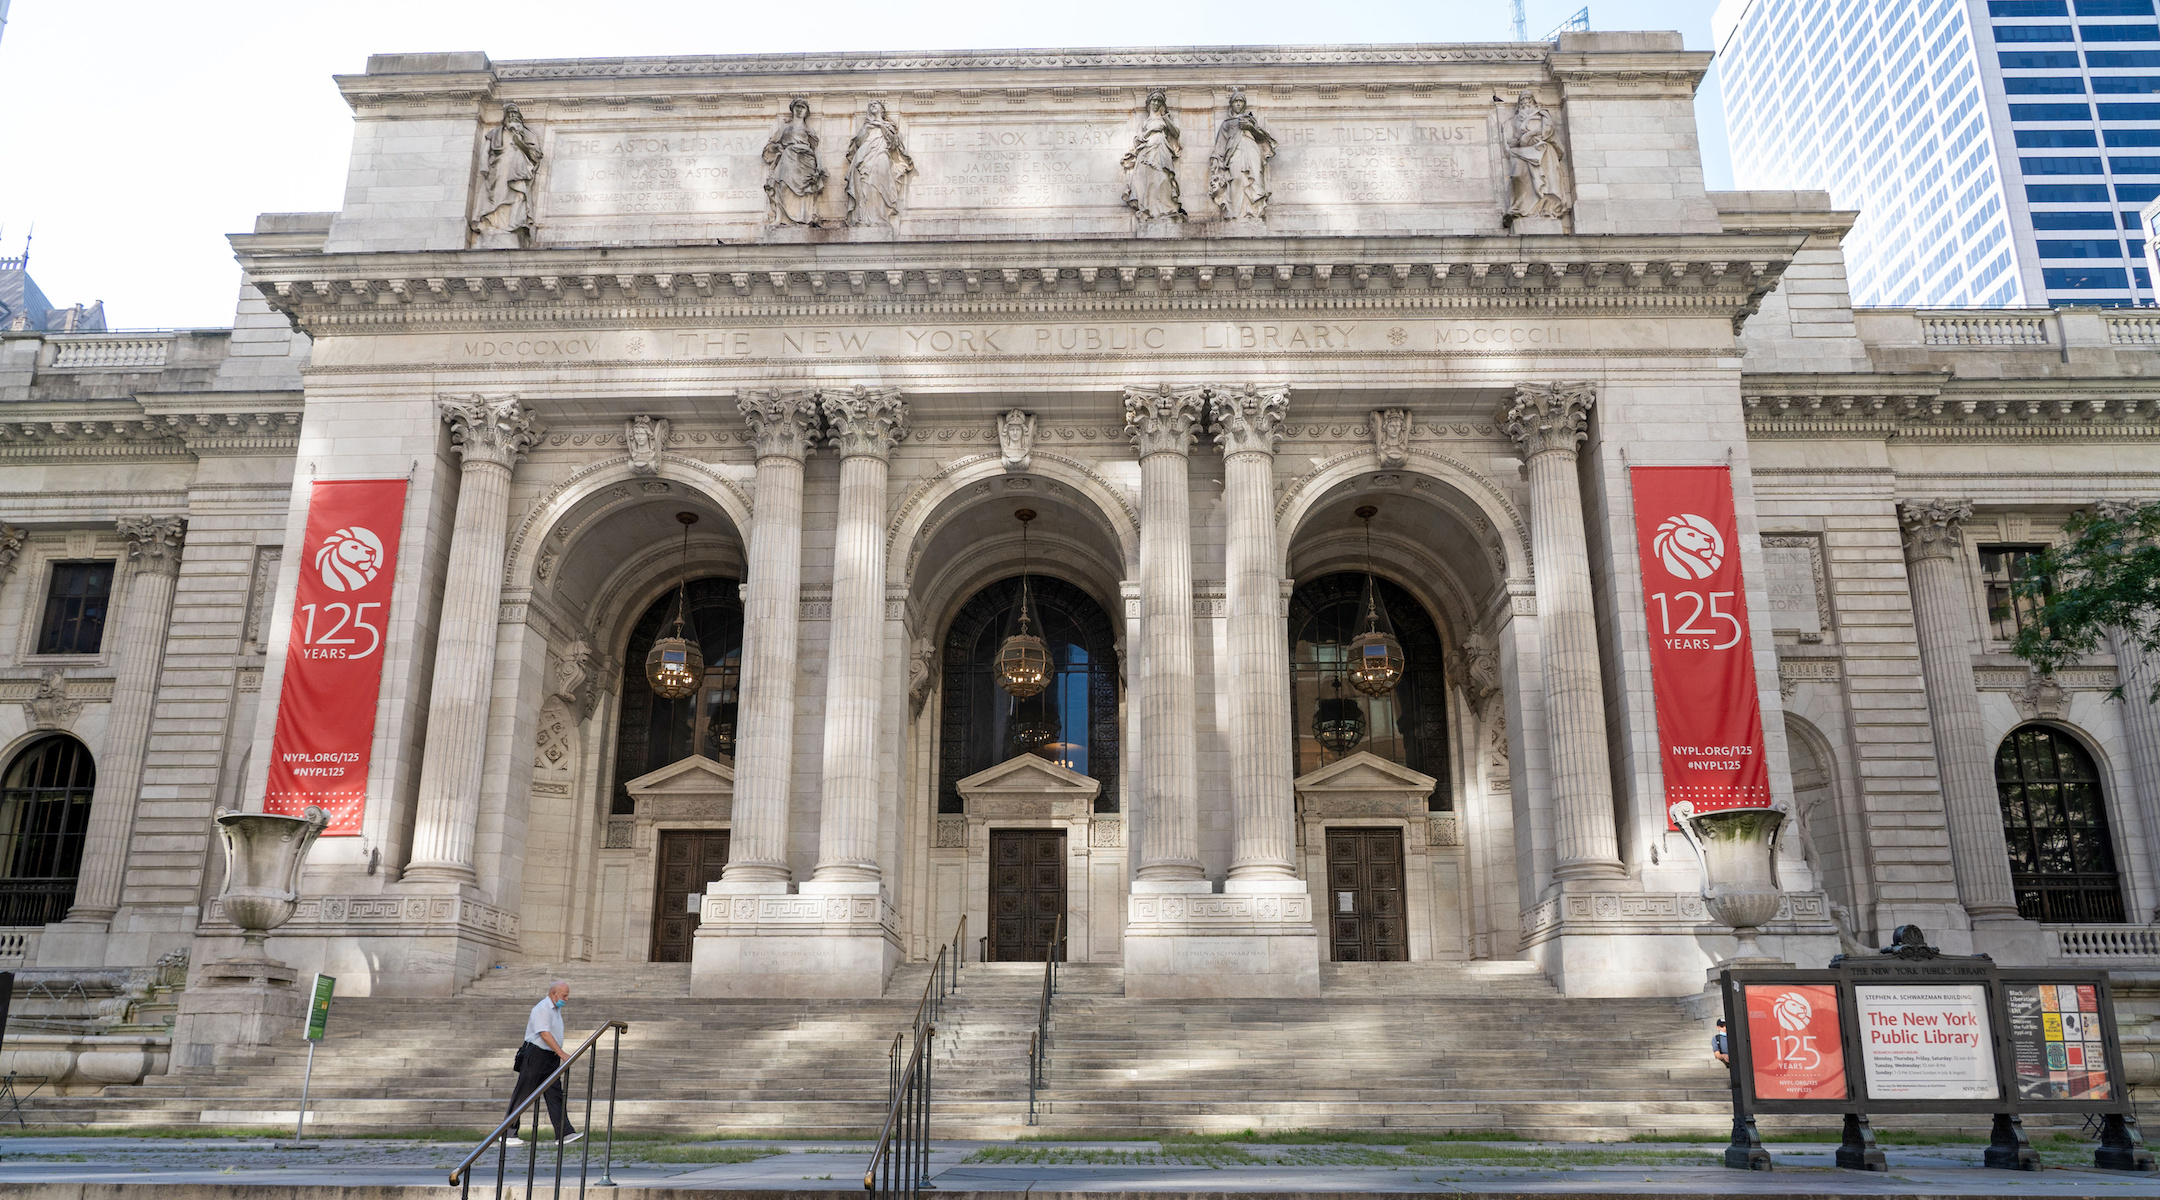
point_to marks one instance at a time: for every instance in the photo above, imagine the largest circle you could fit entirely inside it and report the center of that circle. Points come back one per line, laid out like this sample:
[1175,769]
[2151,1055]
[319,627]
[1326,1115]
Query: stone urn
[1737,848]
[263,857]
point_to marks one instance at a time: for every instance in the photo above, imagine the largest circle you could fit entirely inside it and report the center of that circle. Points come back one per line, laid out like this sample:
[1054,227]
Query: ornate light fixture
[1023,661]
[1338,722]
[676,666]
[1376,658]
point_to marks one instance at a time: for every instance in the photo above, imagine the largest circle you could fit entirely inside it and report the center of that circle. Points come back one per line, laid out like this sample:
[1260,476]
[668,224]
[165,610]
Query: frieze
[795,914]
[1792,672]
[1262,912]
[794,65]
[24,690]
[398,916]
[950,833]
[1106,833]
[2069,679]
[1443,829]
[1802,912]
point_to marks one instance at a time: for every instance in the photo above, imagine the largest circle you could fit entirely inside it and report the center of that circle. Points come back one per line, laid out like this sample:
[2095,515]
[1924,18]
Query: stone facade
[854,311]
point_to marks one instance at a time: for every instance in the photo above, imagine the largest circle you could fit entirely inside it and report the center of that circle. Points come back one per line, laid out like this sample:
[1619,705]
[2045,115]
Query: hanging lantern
[676,666]
[1338,722]
[1376,658]
[1023,661]
[1031,735]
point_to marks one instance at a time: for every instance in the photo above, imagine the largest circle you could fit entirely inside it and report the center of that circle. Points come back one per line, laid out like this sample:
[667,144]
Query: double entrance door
[689,859]
[1365,896]
[1027,893]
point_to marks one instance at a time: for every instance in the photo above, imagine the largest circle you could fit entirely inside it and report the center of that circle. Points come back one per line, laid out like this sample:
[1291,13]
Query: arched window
[1407,726]
[44,810]
[2062,861]
[1073,722]
[655,732]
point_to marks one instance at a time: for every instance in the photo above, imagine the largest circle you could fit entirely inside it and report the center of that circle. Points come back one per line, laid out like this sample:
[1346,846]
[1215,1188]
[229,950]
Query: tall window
[1409,724]
[655,732]
[1073,722]
[44,810]
[2001,569]
[75,608]
[2062,862]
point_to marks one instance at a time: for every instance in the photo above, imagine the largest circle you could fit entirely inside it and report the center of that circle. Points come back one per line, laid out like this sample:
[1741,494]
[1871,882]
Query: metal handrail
[461,1174]
[900,1163]
[1039,1042]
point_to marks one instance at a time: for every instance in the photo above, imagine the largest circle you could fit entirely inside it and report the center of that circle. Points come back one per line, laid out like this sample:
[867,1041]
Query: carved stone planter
[1738,852]
[249,1000]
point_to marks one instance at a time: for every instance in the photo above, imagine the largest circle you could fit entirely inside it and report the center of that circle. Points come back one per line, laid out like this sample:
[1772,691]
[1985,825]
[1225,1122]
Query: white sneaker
[572,1138]
[513,1141]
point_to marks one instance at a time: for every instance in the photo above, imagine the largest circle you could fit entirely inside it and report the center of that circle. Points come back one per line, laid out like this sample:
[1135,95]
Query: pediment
[696,775]
[1365,772]
[1029,775]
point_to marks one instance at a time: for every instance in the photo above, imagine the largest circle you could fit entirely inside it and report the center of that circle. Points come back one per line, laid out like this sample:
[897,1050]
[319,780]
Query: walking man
[537,1058]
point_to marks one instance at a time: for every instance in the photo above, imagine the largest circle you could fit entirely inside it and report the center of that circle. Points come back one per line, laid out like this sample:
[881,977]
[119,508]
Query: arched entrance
[44,813]
[2055,823]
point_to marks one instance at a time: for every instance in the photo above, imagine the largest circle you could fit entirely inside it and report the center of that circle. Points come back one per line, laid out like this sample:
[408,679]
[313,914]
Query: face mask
[560,1003]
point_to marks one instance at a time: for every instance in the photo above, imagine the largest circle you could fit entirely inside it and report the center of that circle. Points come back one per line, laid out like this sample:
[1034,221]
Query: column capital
[11,544]
[1932,527]
[783,424]
[1164,420]
[1244,420]
[1548,417]
[490,429]
[864,422]
[154,543]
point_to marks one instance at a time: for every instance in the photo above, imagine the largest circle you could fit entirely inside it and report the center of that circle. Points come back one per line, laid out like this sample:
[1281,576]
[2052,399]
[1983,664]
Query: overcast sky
[135,134]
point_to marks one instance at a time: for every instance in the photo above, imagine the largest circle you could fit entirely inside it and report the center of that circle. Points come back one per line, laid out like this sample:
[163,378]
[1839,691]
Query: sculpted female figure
[506,182]
[1237,169]
[793,179]
[877,166]
[1152,190]
[1537,183]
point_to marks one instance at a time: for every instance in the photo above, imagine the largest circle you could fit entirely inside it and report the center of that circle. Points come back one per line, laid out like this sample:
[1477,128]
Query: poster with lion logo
[1702,658]
[1794,1043]
[334,656]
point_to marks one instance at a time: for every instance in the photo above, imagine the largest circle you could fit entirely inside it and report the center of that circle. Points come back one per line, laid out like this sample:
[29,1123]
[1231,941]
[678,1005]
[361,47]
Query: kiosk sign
[1795,1045]
[2056,1041]
[1927,1042]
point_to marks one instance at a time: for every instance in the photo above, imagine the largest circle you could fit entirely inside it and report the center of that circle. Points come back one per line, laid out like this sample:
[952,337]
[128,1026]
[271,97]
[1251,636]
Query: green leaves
[2105,577]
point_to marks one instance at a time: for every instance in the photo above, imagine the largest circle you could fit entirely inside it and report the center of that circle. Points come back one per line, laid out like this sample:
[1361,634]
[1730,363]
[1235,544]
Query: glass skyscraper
[1998,150]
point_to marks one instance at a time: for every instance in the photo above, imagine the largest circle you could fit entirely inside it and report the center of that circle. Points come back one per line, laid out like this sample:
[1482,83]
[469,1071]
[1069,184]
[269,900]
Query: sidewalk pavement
[1047,1167]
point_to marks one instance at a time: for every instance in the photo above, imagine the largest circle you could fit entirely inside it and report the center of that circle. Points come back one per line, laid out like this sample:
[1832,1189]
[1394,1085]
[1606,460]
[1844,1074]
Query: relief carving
[11,544]
[153,543]
[1151,188]
[52,707]
[922,674]
[1538,183]
[793,179]
[1016,440]
[878,167]
[647,441]
[1237,168]
[573,677]
[503,217]
[1391,435]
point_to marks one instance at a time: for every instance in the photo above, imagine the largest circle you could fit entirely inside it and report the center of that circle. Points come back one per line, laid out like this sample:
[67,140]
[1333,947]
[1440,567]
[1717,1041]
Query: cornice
[739,66]
[174,428]
[1938,407]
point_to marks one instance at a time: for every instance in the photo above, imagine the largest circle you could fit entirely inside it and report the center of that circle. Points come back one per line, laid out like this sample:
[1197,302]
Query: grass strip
[1553,1156]
[681,1152]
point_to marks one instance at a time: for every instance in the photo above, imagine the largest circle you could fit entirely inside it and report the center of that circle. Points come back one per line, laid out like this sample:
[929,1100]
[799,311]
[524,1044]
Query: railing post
[607,1164]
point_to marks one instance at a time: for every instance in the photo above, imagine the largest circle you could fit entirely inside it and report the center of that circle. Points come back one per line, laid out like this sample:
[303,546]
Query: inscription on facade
[1792,567]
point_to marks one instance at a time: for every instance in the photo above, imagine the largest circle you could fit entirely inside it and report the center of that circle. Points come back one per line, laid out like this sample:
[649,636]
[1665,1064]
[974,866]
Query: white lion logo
[350,559]
[1690,546]
[1793,1012]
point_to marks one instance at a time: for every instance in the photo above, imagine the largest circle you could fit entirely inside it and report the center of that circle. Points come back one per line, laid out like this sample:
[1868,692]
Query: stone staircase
[1425,1046]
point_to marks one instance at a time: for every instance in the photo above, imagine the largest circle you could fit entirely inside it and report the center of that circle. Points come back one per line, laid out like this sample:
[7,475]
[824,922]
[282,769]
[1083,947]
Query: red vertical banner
[1794,1043]
[1702,661]
[333,661]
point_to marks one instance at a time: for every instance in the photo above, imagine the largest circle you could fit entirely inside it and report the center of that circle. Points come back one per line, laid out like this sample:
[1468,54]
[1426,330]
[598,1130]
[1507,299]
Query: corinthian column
[2136,673]
[782,426]
[1942,620]
[153,550]
[1162,425]
[491,433]
[1263,831]
[1548,423]
[865,425]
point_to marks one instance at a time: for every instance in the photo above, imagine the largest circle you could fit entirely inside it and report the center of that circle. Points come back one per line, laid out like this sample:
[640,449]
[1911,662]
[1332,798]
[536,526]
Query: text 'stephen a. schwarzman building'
[615,518]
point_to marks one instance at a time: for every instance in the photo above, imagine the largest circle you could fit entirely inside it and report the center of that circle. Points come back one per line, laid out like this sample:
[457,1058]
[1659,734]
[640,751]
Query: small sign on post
[318,1022]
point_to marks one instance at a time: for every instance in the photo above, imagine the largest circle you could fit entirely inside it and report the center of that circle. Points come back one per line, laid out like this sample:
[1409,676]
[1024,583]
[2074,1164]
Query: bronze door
[1365,895]
[689,859]
[1027,892]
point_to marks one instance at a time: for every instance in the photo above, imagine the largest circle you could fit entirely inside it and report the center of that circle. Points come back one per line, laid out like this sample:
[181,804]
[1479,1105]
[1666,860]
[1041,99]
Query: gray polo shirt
[545,1017]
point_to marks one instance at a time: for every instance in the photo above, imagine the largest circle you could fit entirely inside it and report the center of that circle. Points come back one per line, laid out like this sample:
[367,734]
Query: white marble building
[1467,286]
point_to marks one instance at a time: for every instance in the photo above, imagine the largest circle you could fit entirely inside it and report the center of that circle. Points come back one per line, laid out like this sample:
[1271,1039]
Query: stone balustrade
[106,352]
[2112,942]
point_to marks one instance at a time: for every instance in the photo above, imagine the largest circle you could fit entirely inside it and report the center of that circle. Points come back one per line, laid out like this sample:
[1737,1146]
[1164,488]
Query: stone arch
[1483,503]
[1831,831]
[2113,830]
[706,479]
[930,505]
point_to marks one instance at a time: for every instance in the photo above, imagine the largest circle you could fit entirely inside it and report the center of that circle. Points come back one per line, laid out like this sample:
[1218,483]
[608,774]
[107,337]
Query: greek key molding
[389,916]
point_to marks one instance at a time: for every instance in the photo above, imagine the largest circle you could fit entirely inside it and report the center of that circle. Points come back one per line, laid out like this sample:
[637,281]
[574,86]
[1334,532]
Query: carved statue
[647,440]
[52,707]
[793,179]
[1481,674]
[1237,169]
[1391,435]
[1537,168]
[11,544]
[1151,164]
[877,169]
[1016,440]
[573,671]
[922,674]
[504,215]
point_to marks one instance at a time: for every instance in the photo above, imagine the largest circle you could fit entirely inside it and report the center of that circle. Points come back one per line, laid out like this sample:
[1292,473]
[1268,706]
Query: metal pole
[306,1078]
[592,1074]
[607,1164]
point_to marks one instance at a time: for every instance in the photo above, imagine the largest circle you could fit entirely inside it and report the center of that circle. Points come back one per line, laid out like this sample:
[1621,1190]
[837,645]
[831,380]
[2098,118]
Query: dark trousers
[537,1064]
